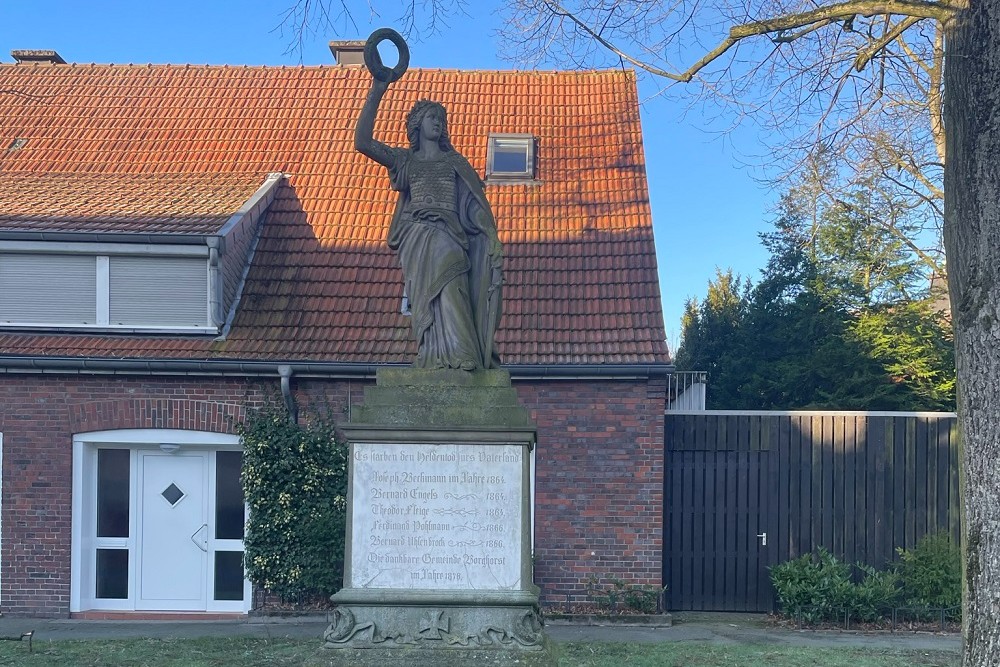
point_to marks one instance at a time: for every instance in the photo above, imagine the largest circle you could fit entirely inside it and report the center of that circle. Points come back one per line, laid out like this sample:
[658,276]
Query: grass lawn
[222,652]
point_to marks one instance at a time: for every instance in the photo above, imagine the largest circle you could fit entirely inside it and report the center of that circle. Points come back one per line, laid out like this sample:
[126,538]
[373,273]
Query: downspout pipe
[285,372]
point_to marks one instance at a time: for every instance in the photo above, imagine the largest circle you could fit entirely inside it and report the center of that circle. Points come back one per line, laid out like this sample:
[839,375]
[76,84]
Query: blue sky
[707,207]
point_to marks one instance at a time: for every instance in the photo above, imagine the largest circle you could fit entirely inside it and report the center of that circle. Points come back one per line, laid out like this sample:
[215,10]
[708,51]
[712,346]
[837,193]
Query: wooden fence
[745,491]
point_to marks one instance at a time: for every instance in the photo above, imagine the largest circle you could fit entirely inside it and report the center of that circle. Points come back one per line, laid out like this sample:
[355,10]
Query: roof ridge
[34,173]
[322,66]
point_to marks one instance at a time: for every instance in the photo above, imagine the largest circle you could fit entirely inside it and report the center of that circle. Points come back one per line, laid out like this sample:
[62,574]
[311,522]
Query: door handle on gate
[763,539]
[201,543]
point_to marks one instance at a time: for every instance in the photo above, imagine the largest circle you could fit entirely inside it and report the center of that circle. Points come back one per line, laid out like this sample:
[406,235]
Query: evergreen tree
[713,333]
[831,324]
[914,344]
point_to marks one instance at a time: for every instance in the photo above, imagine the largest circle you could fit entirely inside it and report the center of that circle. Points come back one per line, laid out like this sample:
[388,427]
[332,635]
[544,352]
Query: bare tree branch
[782,38]
[846,10]
[809,20]
[935,98]
[878,45]
[305,19]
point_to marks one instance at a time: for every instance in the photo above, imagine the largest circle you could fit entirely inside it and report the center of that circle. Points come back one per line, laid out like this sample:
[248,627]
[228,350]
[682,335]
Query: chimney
[37,56]
[348,51]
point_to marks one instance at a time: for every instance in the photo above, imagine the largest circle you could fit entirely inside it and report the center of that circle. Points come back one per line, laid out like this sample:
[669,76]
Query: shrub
[639,598]
[931,573]
[295,483]
[816,586]
[642,599]
[876,595]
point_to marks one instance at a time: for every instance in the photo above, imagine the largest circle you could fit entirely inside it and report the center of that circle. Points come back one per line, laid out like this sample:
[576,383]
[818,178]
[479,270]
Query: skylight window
[510,157]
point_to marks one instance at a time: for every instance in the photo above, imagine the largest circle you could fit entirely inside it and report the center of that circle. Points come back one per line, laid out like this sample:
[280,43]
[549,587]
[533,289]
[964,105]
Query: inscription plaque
[437,516]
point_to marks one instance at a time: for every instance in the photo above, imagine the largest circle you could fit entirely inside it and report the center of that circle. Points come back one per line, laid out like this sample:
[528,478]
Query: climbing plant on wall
[295,482]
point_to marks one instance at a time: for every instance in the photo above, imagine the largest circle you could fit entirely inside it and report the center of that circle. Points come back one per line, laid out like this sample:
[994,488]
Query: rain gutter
[307,369]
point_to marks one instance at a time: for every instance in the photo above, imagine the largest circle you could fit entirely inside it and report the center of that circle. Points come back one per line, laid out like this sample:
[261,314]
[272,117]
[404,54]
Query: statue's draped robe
[451,259]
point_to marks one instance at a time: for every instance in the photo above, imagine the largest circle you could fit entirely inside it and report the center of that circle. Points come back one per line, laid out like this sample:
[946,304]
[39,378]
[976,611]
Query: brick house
[178,242]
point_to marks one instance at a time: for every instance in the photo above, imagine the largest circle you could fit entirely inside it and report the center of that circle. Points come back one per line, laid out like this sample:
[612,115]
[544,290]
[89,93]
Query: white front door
[173,531]
[158,521]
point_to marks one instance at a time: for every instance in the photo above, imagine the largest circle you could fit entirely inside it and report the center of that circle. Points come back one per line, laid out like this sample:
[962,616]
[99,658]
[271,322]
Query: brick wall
[598,485]
[599,469]
[38,417]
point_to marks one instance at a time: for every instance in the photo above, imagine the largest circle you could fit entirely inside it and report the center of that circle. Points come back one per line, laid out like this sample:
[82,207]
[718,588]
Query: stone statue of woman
[442,229]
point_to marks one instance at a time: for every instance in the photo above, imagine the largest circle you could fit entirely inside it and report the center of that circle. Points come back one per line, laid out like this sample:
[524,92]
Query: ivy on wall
[295,483]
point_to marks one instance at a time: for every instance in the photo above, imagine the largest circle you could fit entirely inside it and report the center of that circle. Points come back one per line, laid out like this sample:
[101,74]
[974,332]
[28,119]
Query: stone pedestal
[438,560]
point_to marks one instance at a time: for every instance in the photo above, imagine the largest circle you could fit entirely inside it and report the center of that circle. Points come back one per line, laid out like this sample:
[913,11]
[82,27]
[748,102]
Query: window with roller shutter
[68,291]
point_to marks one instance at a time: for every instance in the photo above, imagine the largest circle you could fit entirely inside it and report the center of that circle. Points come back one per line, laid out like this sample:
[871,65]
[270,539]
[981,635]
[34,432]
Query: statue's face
[432,125]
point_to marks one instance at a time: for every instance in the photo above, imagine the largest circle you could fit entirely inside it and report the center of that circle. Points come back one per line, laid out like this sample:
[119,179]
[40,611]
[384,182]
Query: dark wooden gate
[719,504]
[858,484]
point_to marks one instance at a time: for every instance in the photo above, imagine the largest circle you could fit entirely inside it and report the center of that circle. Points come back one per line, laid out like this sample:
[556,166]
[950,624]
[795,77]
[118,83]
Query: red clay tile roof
[122,203]
[581,281]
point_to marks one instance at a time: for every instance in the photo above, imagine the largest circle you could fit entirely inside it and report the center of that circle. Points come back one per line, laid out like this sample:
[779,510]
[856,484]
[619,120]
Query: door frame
[85,446]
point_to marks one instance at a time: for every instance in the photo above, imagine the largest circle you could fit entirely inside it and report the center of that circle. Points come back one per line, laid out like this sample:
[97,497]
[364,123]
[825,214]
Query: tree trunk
[972,245]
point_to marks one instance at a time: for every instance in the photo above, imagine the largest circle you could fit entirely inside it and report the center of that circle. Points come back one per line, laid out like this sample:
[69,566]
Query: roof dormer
[127,253]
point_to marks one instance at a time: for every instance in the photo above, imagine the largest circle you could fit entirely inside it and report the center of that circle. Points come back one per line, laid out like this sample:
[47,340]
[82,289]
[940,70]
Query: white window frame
[525,141]
[102,253]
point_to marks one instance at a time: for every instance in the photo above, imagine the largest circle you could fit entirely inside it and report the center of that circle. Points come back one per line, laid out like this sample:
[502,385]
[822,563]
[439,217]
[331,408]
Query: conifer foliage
[842,319]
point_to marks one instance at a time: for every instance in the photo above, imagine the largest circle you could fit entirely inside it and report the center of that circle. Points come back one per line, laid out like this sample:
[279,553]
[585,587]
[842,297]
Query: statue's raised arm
[382,76]
[442,230]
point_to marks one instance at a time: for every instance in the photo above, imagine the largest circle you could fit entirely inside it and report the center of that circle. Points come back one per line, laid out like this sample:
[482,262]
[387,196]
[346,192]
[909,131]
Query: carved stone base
[442,627]
[438,635]
[426,657]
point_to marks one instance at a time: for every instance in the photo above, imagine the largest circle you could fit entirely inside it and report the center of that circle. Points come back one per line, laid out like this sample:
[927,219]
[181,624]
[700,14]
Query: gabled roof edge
[251,213]
[256,204]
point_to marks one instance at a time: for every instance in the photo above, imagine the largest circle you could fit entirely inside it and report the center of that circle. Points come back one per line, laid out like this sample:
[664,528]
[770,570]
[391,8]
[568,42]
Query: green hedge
[818,587]
[295,482]
[932,573]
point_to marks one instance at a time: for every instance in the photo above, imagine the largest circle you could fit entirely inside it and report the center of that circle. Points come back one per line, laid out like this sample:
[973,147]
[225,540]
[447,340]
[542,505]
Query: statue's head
[415,119]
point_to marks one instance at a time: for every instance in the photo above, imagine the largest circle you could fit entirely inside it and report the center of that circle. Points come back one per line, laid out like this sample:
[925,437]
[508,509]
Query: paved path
[740,633]
[716,628]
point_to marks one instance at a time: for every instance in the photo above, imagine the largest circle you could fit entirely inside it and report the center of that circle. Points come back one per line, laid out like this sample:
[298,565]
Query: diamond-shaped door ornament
[172,494]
